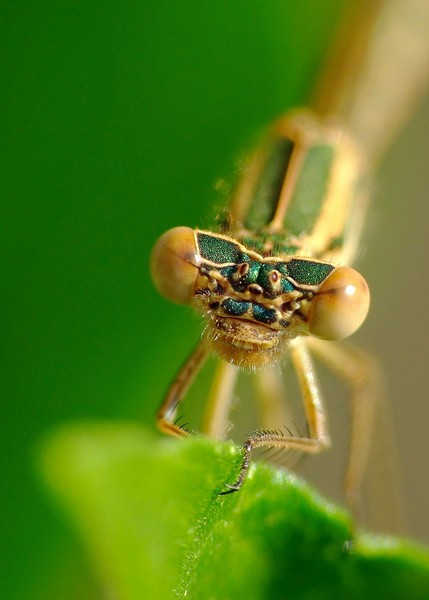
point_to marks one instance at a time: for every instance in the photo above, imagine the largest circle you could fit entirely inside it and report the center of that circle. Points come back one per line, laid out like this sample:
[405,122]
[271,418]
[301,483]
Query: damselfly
[277,279]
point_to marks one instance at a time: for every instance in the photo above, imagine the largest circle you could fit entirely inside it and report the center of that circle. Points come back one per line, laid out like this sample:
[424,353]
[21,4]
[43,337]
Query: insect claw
[231,489]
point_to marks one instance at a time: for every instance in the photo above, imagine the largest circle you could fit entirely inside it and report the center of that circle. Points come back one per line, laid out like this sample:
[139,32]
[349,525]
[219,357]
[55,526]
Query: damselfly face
[255,303]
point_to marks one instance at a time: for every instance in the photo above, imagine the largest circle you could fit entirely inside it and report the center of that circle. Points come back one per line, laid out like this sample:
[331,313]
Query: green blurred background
[117,119]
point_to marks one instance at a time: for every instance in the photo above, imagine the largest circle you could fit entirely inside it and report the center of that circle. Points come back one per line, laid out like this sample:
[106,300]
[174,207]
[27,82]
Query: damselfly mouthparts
[278,280]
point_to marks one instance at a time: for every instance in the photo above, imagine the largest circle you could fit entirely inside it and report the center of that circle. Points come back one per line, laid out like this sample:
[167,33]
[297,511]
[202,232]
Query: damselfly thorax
[277,277]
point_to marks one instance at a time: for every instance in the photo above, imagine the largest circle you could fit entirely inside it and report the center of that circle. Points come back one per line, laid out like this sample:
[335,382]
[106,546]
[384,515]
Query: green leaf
[150,514]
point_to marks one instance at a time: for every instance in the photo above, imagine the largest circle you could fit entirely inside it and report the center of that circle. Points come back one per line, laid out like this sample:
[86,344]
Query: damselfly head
[255,304]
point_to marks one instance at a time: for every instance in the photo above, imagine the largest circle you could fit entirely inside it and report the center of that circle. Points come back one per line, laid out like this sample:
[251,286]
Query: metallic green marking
[264,277]
[283,268]
[235,308]
[253,273]
[307,272]
[241,284]
[286,286]
[217,249]
[228,272]
[264,315]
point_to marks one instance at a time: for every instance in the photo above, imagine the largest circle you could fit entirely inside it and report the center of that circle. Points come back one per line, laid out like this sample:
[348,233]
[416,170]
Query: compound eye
[340,306]
[174,264]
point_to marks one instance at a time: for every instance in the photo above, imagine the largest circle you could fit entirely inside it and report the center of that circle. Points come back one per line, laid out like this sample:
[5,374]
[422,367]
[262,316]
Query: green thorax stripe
[263,202]
[310,191]
[304,183]
[310,187]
